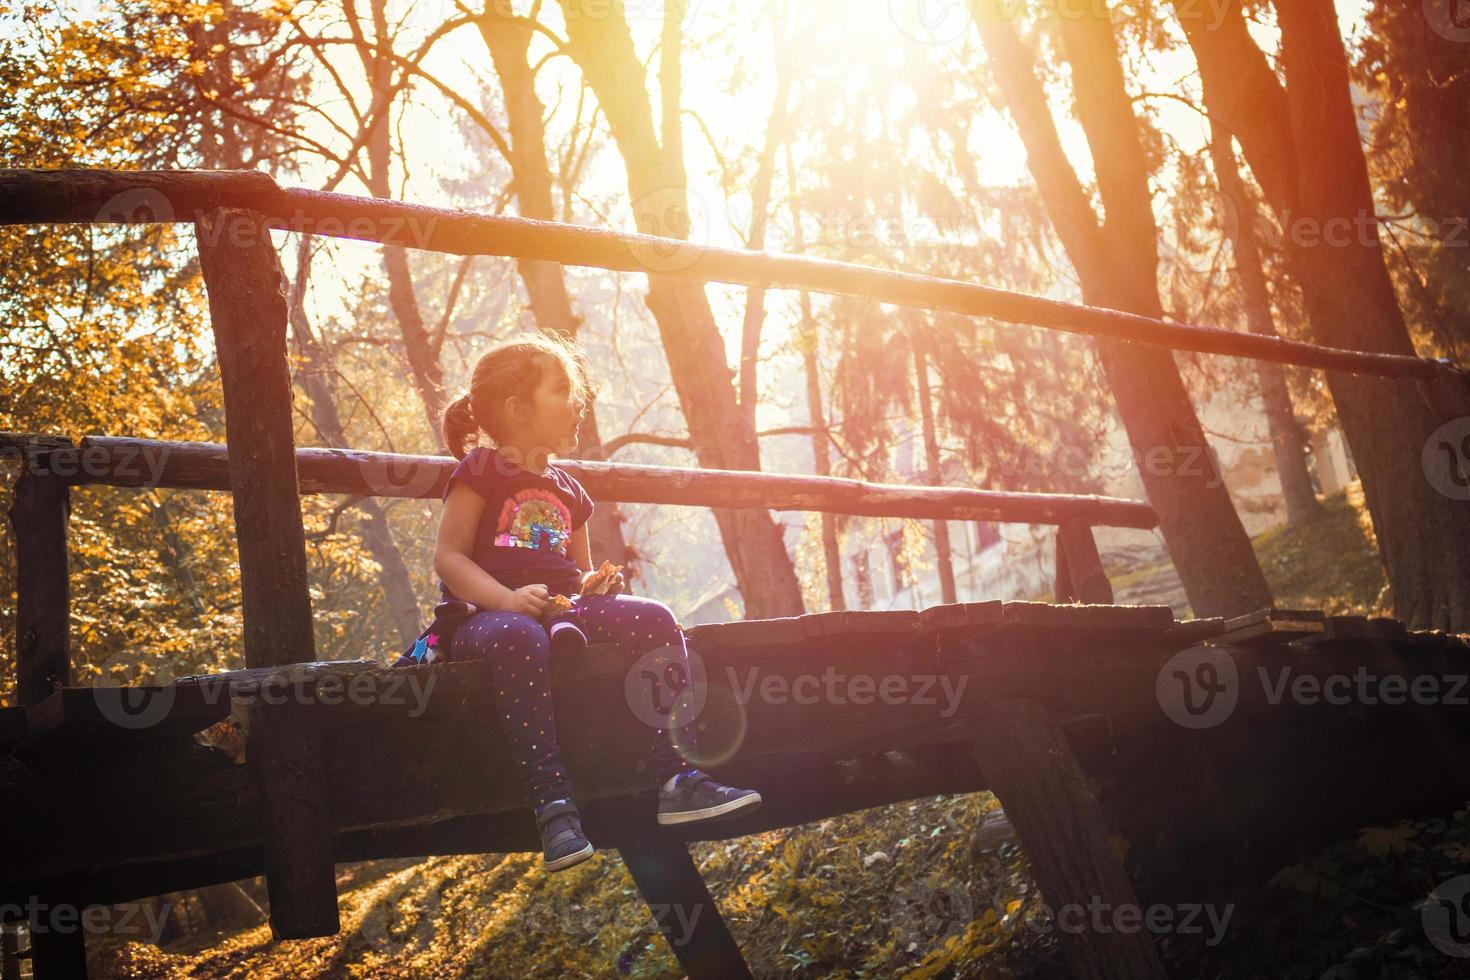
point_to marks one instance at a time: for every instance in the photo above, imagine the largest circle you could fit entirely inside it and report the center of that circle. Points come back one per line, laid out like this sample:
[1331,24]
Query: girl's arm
[580,548]
[456,539]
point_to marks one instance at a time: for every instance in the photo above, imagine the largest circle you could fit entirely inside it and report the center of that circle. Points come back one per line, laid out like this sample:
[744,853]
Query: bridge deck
[824,714]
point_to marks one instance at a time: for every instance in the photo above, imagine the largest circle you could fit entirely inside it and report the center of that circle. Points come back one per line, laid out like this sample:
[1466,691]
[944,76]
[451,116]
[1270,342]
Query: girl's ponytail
[459,425]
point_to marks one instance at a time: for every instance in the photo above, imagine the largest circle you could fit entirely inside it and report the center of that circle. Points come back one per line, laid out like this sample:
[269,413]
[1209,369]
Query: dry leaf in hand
[555,606]
[601,580]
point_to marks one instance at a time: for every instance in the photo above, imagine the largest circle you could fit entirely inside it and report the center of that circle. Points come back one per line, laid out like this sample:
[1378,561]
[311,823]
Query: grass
[1330,563]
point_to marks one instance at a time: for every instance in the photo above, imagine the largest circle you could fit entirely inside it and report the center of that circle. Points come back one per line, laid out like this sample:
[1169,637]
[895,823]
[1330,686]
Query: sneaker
[562,842]
[696,796]
[566,637]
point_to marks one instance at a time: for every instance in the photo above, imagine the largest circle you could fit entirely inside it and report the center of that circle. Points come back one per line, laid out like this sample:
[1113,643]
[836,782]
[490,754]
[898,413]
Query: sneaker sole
[689,816]
[567,860]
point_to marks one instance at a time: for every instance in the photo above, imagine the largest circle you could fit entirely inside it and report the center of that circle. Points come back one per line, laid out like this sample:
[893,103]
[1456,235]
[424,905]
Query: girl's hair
[515,368]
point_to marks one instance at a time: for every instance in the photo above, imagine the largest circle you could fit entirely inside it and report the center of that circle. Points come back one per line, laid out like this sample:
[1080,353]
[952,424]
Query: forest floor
[930,888]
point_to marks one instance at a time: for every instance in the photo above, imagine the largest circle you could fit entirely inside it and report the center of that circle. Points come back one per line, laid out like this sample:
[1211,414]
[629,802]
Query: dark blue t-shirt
[527,523]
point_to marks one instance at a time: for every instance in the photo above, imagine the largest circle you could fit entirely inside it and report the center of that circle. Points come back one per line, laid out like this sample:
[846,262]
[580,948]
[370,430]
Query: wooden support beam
[247,309]
[686,913]
[9,951]
[1080,576]
[288,756]
[38,519]
[1030,767]
[59,955]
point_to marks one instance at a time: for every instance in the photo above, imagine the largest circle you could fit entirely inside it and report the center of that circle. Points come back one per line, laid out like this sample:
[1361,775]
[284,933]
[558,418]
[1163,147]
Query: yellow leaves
[1380,841]
[1459,853]
[792,854]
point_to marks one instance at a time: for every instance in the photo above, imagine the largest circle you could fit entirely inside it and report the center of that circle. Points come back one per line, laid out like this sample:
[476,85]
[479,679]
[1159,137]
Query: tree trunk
[422,353]
[755,297]
[821,464]
[226,905]
[821,441]
[1303,145]
[931,459]
[508,38]
[1117,264]
[1287,438]
[603,48]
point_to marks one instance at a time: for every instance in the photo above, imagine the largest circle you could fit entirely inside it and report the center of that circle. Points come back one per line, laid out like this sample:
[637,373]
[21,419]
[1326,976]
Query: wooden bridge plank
[1189,631]
[1087,617]
[960,615]
[1272,626]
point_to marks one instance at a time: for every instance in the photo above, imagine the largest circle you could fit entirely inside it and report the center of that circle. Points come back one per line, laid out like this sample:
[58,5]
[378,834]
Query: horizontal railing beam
[105,196]
[128,462]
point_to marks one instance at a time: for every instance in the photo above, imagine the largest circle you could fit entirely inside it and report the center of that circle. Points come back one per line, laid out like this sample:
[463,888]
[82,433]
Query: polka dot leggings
[518,647]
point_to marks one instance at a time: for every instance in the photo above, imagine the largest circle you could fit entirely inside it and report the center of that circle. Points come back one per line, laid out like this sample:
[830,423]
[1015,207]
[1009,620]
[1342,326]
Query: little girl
[514,533]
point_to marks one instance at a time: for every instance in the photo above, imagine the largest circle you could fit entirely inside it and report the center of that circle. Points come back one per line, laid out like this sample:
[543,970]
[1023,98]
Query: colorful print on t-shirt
[536,519]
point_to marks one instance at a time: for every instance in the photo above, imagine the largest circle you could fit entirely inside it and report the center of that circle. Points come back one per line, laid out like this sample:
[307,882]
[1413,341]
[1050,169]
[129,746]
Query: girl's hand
[615,585]
[529,599]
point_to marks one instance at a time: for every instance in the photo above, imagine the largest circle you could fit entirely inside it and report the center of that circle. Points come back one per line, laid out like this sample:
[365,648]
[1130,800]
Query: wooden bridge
[1202,741]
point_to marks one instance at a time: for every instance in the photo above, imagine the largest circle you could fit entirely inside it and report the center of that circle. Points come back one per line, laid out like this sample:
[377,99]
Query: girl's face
[556,410]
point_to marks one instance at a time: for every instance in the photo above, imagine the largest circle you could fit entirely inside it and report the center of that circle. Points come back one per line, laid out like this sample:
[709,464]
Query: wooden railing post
[1080,576]
[247,309]
[38,518]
